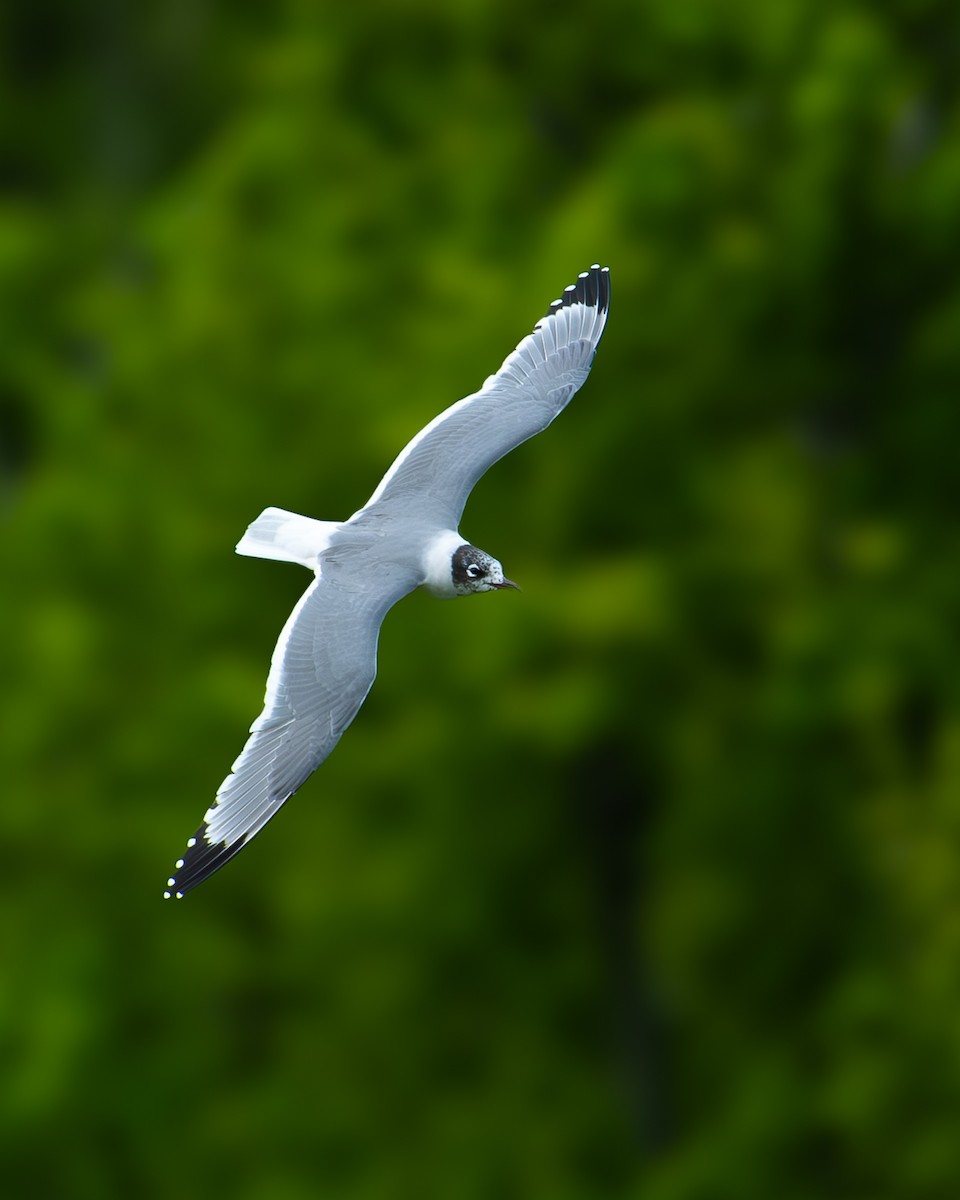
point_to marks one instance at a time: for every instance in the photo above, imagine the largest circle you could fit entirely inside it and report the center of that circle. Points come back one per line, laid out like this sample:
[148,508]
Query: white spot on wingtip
[179,863]
[179,895]
[171,881]
[166,895]
[191,842]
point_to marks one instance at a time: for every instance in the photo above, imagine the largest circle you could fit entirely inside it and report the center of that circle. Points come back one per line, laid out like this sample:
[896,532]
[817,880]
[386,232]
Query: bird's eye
[474,572]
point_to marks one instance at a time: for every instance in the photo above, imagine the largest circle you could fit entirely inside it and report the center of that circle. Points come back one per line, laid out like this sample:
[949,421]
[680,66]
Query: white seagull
[404,536]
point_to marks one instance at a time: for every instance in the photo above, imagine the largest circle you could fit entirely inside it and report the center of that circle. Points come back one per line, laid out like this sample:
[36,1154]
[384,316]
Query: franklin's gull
[405,536]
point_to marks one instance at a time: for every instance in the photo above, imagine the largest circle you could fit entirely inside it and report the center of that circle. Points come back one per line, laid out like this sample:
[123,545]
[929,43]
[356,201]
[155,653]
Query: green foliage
[643,882]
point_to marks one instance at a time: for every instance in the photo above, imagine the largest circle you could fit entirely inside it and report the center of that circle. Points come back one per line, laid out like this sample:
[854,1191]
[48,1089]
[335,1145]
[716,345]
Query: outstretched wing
[434,474]
[323,667]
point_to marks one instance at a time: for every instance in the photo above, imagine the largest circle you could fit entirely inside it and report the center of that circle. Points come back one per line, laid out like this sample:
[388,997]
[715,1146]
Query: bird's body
[405,536]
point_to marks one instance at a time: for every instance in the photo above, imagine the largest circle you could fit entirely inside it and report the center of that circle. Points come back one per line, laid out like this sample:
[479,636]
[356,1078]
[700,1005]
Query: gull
[405,536]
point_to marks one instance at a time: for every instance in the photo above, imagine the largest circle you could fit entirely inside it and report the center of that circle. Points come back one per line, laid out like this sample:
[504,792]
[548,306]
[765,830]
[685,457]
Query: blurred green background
[644,882]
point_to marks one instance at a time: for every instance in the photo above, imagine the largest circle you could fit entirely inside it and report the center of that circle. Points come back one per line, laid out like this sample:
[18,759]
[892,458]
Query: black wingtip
[199,862]
[592,289]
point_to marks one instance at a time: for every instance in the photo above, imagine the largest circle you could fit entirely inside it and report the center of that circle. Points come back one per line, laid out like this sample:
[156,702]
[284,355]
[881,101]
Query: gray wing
[323,667]
[432,477]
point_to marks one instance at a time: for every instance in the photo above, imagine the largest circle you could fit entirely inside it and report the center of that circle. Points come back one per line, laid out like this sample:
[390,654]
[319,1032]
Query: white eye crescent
[473,571]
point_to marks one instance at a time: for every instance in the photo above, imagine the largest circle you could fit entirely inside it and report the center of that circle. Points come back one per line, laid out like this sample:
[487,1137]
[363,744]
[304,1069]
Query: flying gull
[405,536]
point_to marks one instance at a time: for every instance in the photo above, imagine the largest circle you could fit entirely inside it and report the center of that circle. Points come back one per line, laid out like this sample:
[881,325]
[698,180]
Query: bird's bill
[507,583]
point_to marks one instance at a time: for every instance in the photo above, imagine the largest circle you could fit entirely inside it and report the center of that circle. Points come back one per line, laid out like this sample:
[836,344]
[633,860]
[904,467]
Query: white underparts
[288,537]
[437,563]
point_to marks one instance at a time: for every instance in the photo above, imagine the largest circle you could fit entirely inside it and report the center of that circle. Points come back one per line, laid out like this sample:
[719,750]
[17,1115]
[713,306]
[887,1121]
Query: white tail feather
[287,536]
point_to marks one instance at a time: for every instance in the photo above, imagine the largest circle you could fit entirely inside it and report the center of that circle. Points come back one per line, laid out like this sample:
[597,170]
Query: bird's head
[474,570]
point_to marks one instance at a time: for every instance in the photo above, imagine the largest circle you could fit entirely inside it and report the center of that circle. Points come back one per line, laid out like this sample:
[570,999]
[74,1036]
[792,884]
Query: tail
[287,536]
